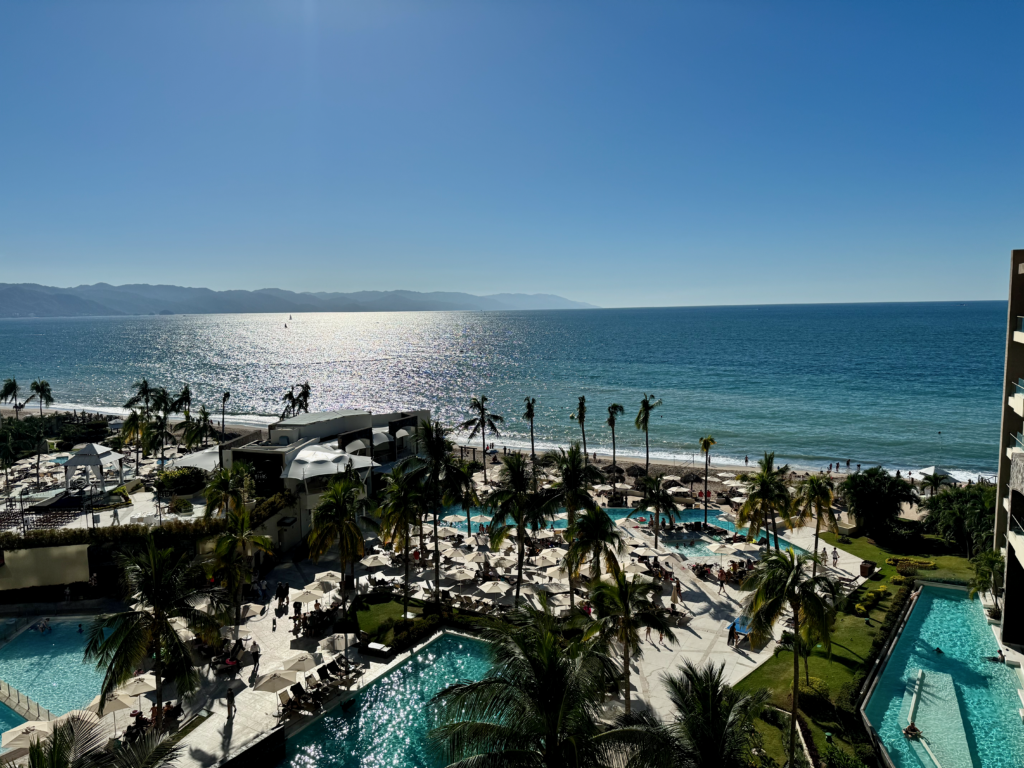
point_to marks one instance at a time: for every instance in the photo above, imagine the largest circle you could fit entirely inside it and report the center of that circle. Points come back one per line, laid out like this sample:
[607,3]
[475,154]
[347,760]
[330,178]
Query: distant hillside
[30,300]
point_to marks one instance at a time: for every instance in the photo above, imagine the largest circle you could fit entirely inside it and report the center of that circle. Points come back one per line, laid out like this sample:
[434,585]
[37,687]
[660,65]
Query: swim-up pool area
[48,667]
[966,706]
[388,724]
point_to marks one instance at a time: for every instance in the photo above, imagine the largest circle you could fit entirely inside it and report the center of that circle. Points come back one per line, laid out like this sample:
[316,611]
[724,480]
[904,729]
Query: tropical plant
[400,510]
[714,725]
[142,396]
[706,444]
[290,403]
[989,574]
[538,707]
[593,537]
[962,515]
[436,452]
[625,606]
[10,392]
[135,429]
[460,491]
[159,586]
[580,415]
[796,644]
[8,453]
[767,496]
[574,475]
[480,423]
[234,550]
[223,409]
[643,423]
[934,482]
[183,402]
[614,411]
[78,742]
[516,505]
[42,392]
[813,500]
[778,583]
[657,500]
[875,497]
[528,415]
[226,490]
[302,398]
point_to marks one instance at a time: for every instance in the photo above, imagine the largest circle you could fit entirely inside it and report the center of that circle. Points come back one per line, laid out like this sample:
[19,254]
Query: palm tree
[302,399]
[539,704]
[183,402]
[42,392]
[401,509]
[291,403]
[989,572]
[593,537]
[706,444]
[643,423]
[143,394]
[528,415]
[159,586]
[234,551]
[780,582]
[796,644]
[624,606]
[480,423]
[225,491]
[435,449]
[460,491]
[80,743]
[515,503]
[656,499]
[767,496]
[335,521]
[814,497]
[134,429]
[875,499]
[713,724]
[574,475]
[223,409]
[614,411]
[934,482]
[8,453]
[10,392]
[580,415]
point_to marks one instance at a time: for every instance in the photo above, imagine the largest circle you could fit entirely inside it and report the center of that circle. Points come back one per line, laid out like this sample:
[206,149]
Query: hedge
[170,532]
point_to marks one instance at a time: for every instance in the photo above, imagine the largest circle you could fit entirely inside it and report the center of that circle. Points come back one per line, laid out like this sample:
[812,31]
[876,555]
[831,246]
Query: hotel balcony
[1016,400]
[1015,446]
[1018,332]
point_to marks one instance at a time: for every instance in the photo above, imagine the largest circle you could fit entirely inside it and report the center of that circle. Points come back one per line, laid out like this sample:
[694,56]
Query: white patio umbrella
[495,588]
[556,572]
[636,568]
[26,734]
[447,531]
[545,533]
[475,557]
[480,519]
[505,562]
[332,576]
[622,486]
[672,478]
[302,662]
[453,518]
[375,561]
[178,623]
[112,704]
[546,559]
[277,681]
[602,487]
[251,609]
[646,552]
[138,686]
[461,574]
[308,596]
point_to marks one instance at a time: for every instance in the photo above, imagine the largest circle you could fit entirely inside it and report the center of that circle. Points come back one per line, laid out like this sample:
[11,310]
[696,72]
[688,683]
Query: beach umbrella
[307,596]
[475,557]
[112,704]
[302,662]
[480,519]
[622,486]
[375,561]
[446,531]
[275,682]
[495,588]
[548,558]
[178,623]
[636,568]
[251,609]
[674,478]
[646,552]
[26,734]
[546,533]
[461,574]
[332,576]
[453,518]
[138,686]
[555,572]
[505,562]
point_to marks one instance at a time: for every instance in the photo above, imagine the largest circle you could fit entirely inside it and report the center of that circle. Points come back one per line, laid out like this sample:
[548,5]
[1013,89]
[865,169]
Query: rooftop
[315,418]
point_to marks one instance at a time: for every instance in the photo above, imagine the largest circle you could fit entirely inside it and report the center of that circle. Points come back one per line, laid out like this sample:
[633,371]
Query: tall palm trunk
[796,683]
[817,529]
[405,592]
[583,432]
[707,469]
[483,443]
[533,452]
[775,530]
[647,448]
[158,667]
[613,445]
[437,558]
[657,524]
[625,673]
[519,569]
[469,522]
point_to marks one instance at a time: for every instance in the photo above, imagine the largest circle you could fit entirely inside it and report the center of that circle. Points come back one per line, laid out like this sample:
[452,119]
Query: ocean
[902,385]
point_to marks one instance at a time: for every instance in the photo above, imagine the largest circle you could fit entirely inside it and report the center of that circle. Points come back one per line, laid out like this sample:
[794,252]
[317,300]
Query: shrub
[837,758]
[184,480]
[814,697]
[906,568]
[860,609]
[866,754]
[181,506]
[775,717]
[846,697]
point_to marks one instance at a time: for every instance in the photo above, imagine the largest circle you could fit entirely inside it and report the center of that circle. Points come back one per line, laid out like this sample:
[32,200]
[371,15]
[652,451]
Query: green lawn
[370,613]
[850,645]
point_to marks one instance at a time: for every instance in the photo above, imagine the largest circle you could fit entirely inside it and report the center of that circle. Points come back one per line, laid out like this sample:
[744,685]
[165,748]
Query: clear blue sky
[622,153]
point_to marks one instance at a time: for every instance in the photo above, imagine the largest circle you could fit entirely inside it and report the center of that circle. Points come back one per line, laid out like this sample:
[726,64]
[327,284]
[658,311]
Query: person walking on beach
[746,461]
[721,580]
[231,703]
[835,557]
[255,651]
[824,555]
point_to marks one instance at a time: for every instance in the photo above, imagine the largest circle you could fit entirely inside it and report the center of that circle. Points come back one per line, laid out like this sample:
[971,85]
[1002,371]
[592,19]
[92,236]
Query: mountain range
[102,299]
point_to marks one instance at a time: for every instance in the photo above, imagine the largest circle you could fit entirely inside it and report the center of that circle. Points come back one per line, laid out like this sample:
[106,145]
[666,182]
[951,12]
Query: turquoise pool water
[387,726]
[983,695]
[48,668]
[9,719]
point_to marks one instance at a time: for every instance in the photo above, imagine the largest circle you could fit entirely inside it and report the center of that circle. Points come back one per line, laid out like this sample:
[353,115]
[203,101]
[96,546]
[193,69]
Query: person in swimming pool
[912,731]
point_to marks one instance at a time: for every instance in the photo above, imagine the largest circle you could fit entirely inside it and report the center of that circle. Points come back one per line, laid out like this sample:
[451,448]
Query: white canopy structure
[323,460]
[94,457]
[207,459]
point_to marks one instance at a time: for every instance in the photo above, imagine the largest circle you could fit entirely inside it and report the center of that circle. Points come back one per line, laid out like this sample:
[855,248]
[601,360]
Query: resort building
[304,452]
[1009,532]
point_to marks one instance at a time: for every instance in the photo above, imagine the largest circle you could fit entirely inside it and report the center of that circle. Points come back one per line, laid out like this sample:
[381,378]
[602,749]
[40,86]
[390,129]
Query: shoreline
[626,457]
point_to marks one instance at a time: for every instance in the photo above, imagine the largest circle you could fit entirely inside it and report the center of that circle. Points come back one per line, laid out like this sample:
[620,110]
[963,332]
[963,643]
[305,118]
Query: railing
[22,704]
[1016,526]
[1020,323]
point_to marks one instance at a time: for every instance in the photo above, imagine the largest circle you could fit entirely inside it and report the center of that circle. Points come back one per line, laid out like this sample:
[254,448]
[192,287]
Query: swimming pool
[388,725]
[9,719]
[49,669]
[982,695]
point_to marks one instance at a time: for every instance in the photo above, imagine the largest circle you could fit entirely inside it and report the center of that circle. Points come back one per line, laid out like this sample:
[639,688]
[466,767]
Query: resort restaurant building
[305,452]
